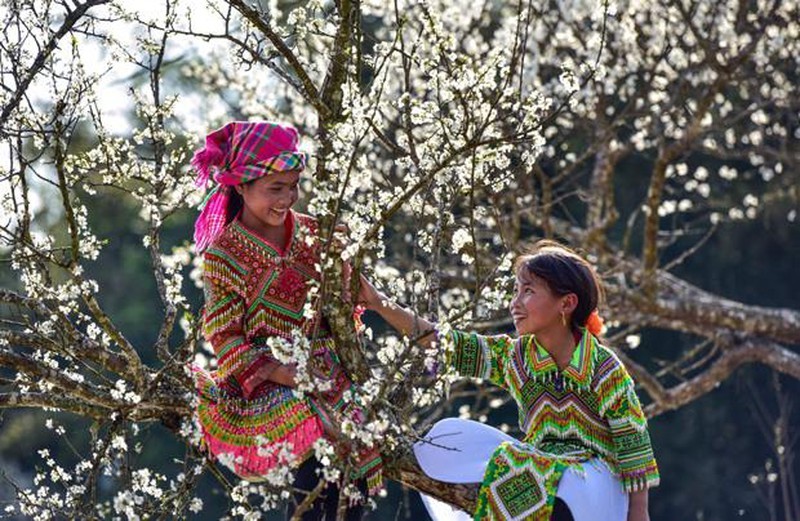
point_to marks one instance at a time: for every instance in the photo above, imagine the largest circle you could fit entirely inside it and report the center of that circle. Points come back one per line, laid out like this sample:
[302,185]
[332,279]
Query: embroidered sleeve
[478,356]
[222,327]
[634,452]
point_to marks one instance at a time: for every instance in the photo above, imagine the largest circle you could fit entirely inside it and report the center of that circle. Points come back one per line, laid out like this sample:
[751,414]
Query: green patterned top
[588,409]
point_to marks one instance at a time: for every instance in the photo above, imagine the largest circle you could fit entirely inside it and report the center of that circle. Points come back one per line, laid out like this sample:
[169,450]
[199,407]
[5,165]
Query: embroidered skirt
[276,428]
[253,436]
[518,481]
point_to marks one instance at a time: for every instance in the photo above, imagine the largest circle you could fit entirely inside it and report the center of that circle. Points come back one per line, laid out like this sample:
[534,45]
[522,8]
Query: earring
[563,319]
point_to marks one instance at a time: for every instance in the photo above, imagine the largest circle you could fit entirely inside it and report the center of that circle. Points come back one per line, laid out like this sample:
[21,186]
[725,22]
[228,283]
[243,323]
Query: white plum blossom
[461,238]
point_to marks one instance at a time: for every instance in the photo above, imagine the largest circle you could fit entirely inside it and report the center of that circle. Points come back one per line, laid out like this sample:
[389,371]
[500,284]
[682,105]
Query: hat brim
[283,162]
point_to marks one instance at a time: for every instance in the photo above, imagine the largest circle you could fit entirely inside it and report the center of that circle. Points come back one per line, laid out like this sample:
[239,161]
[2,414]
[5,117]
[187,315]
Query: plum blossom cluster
[59,490]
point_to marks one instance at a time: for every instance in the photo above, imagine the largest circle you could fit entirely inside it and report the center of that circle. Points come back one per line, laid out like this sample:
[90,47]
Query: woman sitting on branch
[260,259]
[586,452]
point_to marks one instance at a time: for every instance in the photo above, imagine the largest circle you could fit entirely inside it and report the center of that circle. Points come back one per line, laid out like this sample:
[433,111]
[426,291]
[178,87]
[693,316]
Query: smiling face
[535,308]
[268,199]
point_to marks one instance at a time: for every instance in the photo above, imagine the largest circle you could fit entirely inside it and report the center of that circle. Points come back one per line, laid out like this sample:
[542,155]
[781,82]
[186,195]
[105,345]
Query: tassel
[212,219]
[203,161]
[594,323]
[375,482]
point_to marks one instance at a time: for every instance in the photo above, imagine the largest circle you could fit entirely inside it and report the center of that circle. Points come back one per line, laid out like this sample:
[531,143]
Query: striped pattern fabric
[587,410]
[253,292]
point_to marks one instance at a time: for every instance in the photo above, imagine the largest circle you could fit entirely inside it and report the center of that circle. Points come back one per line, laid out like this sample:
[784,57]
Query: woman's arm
[637,506]
[634,452]
[283,374]
[401,319]
[469,354]
[236,356]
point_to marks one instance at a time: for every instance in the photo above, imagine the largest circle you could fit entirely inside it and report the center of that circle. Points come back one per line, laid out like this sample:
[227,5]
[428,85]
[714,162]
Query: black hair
[564,272]
[236,201]
[235,204]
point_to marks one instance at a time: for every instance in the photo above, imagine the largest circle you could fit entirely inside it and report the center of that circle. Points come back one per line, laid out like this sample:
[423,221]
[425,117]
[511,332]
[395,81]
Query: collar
[254,238]
[580,368]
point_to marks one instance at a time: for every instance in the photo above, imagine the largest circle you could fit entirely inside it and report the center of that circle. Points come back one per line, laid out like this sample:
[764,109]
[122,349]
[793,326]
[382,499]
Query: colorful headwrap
[235,154]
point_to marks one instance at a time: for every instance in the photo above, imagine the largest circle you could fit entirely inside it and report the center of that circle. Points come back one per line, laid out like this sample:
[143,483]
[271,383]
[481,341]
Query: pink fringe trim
[250,465]
[211,221]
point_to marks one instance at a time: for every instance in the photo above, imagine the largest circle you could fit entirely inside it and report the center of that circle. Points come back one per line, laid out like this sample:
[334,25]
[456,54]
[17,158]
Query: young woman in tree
[259,257]
[577,406]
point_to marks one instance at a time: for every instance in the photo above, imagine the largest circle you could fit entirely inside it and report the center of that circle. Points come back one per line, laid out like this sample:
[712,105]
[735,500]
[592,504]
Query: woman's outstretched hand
[369,296]
[403,320]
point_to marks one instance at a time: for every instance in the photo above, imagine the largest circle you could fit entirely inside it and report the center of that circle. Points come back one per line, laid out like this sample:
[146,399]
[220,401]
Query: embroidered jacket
[591,404]
[255,292]
[568,417]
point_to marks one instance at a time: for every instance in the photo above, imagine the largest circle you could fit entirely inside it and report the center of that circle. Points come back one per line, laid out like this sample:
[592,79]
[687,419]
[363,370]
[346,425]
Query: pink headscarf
[235,154]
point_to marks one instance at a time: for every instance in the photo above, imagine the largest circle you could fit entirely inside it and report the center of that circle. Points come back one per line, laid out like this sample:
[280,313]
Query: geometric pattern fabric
[587,410]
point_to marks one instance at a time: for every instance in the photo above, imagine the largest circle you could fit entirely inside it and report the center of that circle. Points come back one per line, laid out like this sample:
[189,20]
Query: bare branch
[749,351]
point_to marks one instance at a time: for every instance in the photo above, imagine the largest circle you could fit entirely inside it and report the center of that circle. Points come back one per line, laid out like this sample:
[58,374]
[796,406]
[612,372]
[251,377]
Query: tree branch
[72,18]
[747,351]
